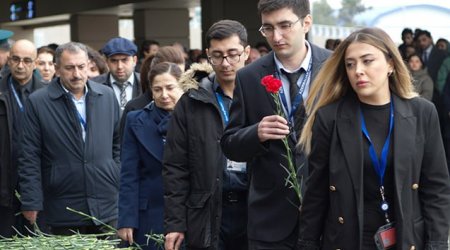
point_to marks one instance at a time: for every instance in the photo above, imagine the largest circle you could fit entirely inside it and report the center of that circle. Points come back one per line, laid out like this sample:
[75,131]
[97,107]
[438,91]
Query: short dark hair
[164,67]
[145,46]
[407,31]
[224,29]
[300,7]
[425,33]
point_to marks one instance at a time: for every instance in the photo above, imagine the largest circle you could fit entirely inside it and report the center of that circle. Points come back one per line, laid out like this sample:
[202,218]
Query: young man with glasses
[15,87]
[205,193]
[254,132]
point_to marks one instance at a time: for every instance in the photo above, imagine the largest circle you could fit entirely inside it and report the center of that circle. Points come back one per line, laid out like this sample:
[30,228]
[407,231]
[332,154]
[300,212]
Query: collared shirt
[285,81]
[80,105]
[128,89]
[232,180]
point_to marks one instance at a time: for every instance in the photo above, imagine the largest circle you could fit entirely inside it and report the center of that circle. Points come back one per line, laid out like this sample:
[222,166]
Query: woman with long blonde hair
[378,175]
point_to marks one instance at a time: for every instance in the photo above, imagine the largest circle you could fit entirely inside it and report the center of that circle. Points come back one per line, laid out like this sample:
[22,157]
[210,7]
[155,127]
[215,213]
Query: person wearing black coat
[14,91]
[70,156]
[205,193]
[378,175]
[254,132]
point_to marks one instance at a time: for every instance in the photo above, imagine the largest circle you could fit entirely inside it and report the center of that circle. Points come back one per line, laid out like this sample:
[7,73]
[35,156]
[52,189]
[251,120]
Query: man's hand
[126,234]
[30,216]
[173,241]
[272,127]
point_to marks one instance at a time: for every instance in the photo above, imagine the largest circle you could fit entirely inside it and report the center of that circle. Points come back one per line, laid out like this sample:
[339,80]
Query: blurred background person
[148,49]
[408,39]
[5,46]
[141,203]
[97,63]
[422,82]
[442,44]
[45,63]
[254,55]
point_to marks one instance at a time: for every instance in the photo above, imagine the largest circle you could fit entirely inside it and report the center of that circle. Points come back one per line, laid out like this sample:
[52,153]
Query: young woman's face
[166,91]
[368,71]
[414,63]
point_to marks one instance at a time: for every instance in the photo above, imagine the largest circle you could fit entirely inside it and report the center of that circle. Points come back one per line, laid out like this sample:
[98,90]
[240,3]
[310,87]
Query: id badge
[234,166]
[385,237]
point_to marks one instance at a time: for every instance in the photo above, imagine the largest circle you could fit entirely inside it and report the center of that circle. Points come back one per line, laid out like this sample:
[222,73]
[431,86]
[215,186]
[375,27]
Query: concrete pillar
[93,30]
[245,12]
[20,33]
[163,25]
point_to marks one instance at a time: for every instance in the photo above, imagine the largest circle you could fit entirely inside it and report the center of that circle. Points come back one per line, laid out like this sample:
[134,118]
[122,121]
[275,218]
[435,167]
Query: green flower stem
[291,179]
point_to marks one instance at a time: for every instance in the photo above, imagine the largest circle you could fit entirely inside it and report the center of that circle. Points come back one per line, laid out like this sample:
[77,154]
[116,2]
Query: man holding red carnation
[254,132]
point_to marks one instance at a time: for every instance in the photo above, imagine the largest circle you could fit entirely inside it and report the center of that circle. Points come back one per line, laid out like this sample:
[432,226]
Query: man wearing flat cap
[121,59]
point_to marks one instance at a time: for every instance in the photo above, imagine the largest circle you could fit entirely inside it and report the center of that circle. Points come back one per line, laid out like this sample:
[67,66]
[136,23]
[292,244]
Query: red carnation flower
[271,83]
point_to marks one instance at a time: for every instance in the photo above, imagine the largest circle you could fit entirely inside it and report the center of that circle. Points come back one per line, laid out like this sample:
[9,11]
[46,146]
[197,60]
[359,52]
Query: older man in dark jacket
[17,84]
[70,149]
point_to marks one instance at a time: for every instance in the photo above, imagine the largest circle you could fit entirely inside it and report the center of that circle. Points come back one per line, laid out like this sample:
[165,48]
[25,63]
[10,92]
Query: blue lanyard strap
[223,110]
[299,98]
[19,102]
[379,164]
[82,121]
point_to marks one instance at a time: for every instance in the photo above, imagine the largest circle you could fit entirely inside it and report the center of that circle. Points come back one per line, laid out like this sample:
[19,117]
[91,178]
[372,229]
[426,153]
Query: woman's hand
[126,234]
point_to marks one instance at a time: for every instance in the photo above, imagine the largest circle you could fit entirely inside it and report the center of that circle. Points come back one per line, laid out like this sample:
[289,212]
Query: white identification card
[234,166]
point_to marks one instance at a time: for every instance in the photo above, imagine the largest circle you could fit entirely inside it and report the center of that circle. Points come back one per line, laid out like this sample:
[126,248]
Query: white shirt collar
[130,79]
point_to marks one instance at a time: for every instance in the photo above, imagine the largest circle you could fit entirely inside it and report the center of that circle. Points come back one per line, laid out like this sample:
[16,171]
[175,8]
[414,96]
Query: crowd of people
[191,145]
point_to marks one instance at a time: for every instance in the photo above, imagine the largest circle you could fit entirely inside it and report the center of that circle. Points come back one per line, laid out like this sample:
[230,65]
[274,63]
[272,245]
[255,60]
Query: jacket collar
[205,91]
[144,128]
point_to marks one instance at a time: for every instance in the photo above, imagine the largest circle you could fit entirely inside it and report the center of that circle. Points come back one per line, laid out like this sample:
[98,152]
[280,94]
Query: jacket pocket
[198,220]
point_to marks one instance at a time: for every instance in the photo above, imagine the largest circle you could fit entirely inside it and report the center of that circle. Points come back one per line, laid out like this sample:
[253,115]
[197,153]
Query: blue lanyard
[379,163]
[223,110]
[15,95]
[82,121]
[299,98]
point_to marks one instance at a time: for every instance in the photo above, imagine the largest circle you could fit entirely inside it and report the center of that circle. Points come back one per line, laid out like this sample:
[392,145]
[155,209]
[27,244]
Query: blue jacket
[141,202]
[57,169]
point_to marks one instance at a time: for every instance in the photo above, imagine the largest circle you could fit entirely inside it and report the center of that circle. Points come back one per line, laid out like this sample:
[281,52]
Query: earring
[389,73]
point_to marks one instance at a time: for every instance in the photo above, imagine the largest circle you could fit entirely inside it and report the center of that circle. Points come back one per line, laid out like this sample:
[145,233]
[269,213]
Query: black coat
[272,206]
[193,168]
[8,170]
[332,212]
[57,169]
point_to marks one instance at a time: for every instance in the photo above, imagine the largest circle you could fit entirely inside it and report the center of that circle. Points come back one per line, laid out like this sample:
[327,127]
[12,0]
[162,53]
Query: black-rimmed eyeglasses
[231,58]
[282,28]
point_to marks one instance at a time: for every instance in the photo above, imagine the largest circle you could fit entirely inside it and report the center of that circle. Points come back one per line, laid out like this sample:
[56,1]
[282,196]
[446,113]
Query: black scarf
[162,118]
